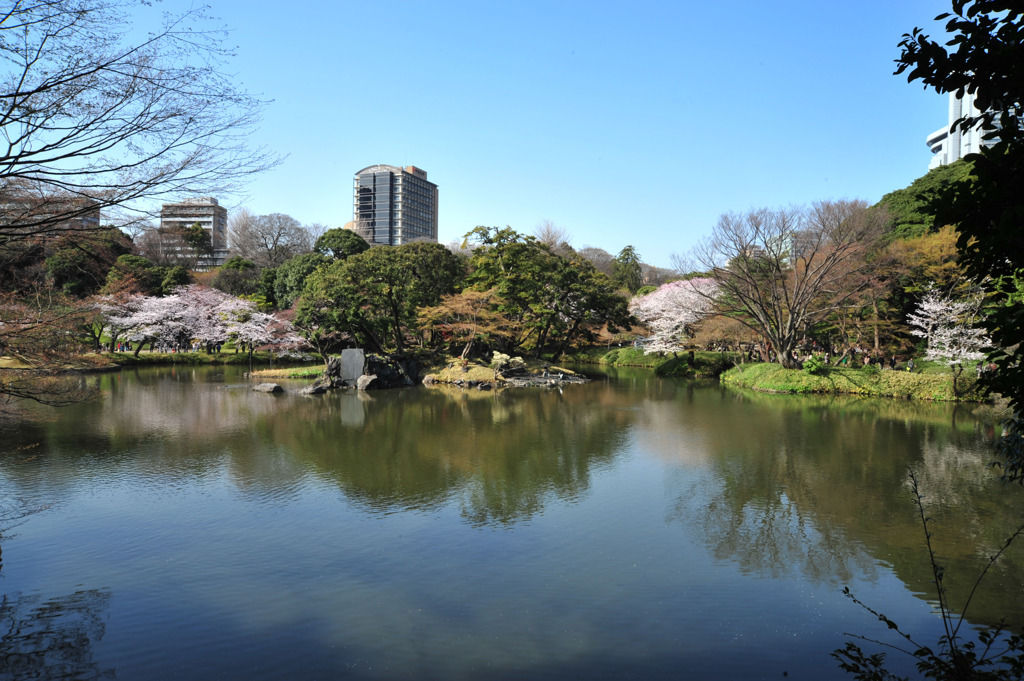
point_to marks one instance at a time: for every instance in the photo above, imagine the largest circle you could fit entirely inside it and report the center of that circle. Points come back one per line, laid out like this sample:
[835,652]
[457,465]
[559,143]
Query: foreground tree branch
[87,113]
[37,352]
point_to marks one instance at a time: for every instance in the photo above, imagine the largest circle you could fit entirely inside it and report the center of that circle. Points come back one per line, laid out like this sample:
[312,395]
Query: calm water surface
[629,528]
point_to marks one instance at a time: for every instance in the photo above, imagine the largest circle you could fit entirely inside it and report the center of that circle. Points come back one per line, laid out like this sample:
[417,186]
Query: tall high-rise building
[947,146]
[394,206]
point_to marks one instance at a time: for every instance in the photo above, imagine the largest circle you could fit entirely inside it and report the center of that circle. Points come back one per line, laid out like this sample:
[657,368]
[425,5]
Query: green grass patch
[309,372]
[920,386]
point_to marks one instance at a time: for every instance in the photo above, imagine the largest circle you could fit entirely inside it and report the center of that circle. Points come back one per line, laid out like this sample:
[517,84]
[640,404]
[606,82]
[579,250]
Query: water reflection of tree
[818,486]
[52,639]
[500,454]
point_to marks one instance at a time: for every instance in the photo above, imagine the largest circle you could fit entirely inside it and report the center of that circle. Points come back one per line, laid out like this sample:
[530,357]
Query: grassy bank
[307,371]
[936,385]
[705,364]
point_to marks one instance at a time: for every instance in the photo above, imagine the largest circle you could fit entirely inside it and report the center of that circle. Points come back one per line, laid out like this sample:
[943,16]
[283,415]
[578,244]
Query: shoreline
[934,387]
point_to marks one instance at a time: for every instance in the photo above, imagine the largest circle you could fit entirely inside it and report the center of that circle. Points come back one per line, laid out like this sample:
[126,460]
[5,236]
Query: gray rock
[268,388]
[313,390]
[367,382]
[352,365]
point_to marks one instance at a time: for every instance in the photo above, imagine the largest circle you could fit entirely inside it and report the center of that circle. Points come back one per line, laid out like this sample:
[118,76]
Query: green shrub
[815,365]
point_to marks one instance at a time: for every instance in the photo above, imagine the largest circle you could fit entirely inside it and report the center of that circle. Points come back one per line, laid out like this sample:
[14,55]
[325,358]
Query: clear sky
[621,122]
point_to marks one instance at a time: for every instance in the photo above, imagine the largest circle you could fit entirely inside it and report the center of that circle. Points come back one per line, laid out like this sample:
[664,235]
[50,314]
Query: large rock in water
[391,372]
[347,370]
[268,388]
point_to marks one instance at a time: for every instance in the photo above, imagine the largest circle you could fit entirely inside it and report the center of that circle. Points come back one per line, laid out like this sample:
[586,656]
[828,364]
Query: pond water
[633,527]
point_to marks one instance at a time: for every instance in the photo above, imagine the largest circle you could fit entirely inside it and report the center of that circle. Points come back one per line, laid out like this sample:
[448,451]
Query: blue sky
[623,123]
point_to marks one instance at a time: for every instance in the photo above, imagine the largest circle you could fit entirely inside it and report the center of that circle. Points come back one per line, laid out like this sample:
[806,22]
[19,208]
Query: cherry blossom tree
[951,329]
[671,311]
[250,328]
[159,320]
[130,315]
[209,314]
[195,314]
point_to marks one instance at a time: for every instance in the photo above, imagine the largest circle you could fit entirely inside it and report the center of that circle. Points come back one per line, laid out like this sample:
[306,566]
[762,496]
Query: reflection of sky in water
[683,551]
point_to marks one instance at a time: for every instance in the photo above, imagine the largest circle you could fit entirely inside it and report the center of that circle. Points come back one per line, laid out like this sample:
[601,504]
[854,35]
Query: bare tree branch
[92,120]
[781,271]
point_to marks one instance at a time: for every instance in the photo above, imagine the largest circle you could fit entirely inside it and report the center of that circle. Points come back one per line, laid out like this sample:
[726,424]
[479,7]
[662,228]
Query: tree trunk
[874,307]
[542,339]
[566,339]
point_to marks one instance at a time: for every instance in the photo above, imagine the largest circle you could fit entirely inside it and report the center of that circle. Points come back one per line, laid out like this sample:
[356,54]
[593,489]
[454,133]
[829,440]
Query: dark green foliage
[340,243]
[239,263]
[238,276]
[135,274]
[197,238]
[65,269]
[628,271]
[265,289]
[173,278]
[74,264]
[438,271]
[909,210]
[555,300]
[290,277]
[372,297]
